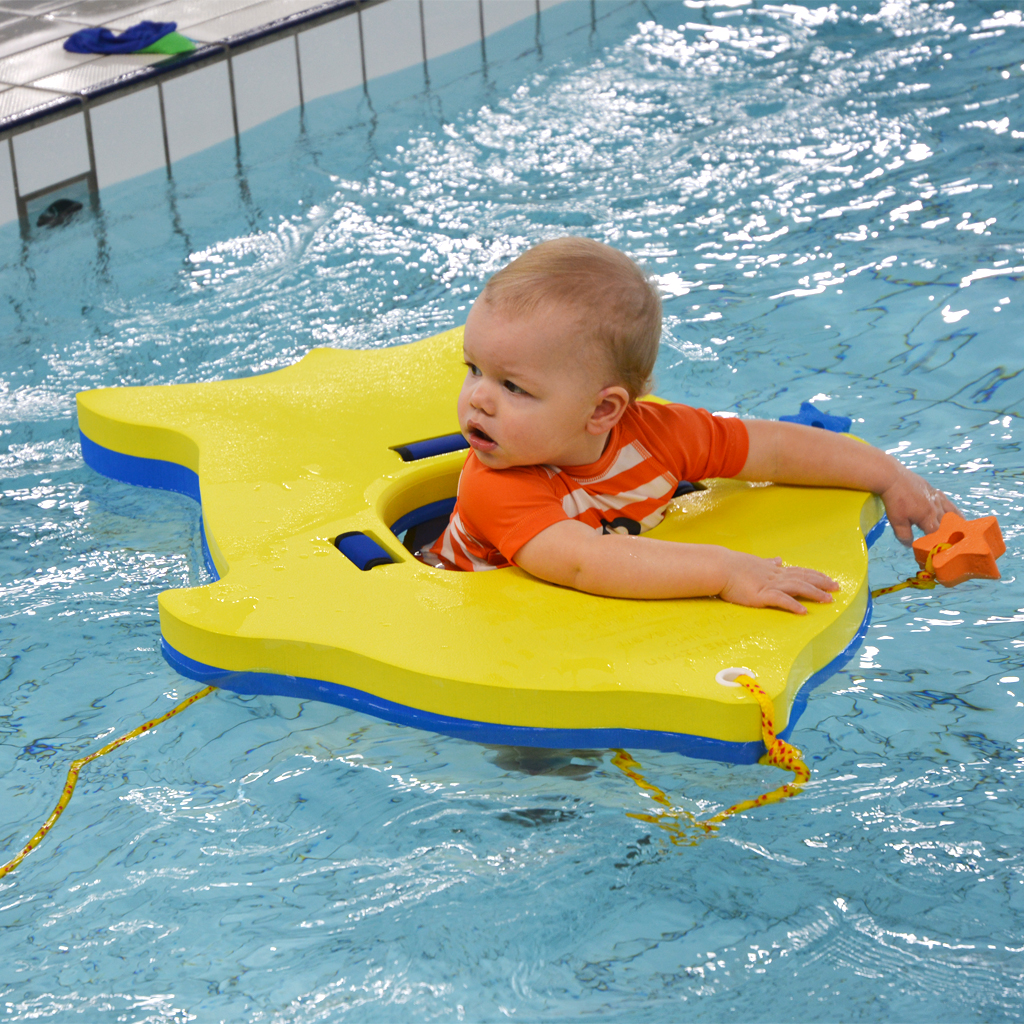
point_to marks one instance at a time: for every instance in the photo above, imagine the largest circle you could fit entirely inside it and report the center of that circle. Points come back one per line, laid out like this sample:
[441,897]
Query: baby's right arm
[573,554]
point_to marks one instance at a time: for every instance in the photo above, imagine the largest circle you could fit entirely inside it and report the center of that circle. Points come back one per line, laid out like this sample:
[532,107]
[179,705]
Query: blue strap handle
[362,551]
[432,446]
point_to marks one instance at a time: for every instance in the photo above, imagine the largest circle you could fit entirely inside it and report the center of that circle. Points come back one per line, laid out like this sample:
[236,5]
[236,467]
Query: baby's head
[615,308]
[558,344]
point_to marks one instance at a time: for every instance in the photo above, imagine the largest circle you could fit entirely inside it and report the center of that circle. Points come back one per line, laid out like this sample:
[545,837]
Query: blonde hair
[619,307]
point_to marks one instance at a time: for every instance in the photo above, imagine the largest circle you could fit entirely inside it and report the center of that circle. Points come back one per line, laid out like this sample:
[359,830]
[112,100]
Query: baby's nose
[480,397]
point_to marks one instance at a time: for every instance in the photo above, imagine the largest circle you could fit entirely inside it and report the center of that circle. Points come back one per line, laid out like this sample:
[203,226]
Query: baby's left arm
[788,453]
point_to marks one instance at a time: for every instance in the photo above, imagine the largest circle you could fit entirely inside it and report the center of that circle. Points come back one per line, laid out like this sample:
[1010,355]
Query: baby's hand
[767,583]
[911,501]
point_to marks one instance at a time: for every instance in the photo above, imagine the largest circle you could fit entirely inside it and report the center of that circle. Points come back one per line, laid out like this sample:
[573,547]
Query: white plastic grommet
[727,677]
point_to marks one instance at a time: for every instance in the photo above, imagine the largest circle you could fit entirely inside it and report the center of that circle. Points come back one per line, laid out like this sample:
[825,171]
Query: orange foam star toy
[972,547]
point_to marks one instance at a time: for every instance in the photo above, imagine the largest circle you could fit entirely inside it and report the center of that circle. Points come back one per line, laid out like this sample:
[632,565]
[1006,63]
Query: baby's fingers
[903,530]
[798,583]
[811,577]
[807,590]
[819,579]
[780,599]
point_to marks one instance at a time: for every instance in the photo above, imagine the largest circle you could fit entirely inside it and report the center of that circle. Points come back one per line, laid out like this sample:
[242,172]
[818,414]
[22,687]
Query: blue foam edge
[170,476]
[277,685]
[156,473]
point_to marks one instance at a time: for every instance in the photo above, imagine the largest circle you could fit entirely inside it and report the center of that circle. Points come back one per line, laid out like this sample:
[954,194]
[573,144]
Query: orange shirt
[649,451]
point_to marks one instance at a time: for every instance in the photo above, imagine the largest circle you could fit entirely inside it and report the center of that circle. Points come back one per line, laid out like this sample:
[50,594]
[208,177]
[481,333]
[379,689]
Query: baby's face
[529,390]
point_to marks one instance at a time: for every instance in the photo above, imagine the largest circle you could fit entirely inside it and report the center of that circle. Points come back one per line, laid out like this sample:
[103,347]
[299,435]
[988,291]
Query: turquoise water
[829,196]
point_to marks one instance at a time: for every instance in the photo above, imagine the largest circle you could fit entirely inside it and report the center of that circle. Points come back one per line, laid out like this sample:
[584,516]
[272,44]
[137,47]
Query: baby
[568,469]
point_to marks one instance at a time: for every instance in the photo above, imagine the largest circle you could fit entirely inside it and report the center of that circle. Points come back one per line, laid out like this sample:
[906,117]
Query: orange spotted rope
[925,578]
[77,766]
[780,754]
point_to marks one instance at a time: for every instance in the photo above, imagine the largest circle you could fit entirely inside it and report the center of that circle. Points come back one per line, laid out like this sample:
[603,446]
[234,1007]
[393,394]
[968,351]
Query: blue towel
[131,40]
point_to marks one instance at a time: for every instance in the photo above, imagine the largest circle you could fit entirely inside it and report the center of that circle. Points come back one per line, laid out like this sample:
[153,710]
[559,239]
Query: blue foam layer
[815,680]
[274,684]
[130,469]
[172,477]
[156,473]
[876,531]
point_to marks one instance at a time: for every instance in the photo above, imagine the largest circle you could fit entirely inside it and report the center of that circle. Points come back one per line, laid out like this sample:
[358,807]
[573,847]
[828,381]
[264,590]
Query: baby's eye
[515,389]
[474,370]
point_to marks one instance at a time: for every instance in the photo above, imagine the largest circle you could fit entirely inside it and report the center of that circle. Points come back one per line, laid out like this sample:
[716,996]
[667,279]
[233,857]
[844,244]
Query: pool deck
[38,77]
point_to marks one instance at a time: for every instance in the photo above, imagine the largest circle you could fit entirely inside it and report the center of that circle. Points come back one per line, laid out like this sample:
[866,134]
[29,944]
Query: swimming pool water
[829,196]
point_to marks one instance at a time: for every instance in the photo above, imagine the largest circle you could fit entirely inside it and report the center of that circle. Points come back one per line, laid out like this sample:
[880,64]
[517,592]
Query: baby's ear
[611,404]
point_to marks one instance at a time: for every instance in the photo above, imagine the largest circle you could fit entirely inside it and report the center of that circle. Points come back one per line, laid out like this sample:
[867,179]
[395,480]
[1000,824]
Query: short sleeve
[695,444]
[506,508]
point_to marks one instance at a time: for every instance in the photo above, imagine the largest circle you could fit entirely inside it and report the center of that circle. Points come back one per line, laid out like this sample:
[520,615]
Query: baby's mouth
[480,440]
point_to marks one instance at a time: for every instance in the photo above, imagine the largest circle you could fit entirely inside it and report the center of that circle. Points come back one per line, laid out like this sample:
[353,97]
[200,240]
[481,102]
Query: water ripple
[828,199]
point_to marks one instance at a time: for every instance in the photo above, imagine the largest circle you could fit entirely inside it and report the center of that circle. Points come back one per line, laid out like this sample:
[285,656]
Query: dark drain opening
[64,203]
[58,213]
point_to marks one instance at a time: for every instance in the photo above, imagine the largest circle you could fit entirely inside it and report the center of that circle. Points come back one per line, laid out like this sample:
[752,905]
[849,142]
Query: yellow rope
[77,766]
[672,819]
[780,754]
[924,580]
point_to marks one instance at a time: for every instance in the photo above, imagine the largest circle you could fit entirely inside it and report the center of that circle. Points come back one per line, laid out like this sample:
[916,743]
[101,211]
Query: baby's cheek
[511,431]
